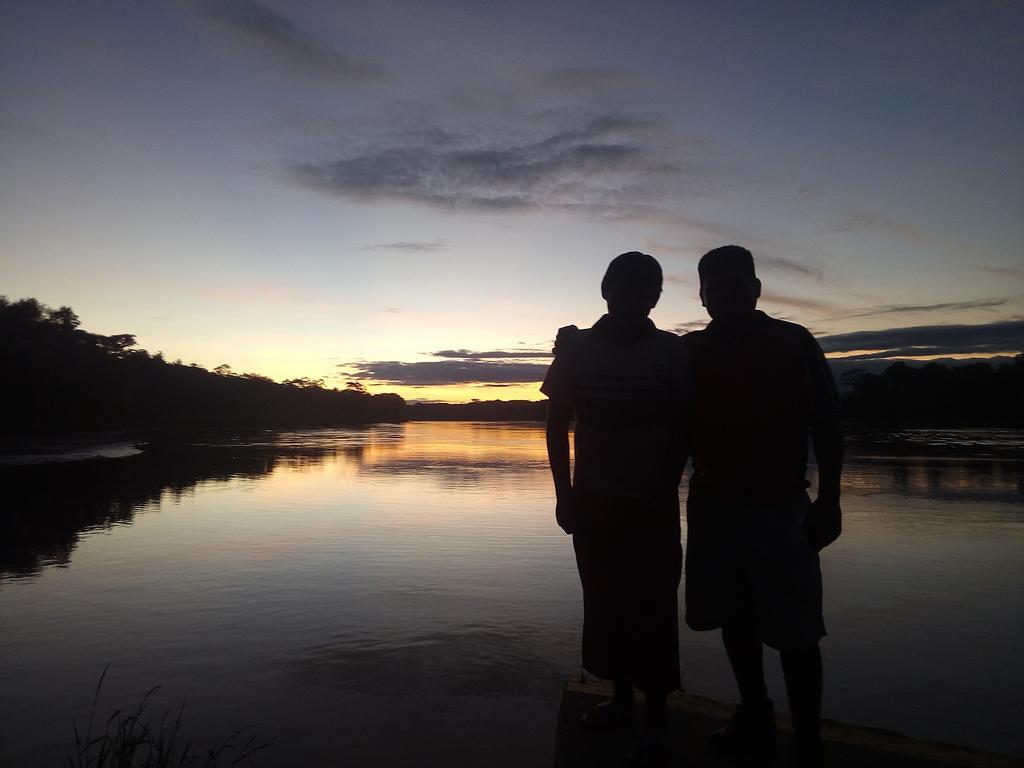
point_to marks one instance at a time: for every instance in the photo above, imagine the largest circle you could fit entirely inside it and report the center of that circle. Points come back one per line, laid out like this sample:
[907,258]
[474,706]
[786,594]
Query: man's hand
[566,511]
[824,522]
[564,338]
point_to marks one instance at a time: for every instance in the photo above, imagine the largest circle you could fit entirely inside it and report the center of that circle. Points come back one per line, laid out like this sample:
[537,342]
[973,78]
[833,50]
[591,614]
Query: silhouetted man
[760,385]
[625,380]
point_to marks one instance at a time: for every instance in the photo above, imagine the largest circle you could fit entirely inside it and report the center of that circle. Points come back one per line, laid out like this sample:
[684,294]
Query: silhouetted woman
[625,380]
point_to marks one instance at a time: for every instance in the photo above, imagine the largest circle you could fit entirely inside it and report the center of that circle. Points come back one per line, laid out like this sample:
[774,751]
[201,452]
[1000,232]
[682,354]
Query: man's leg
[752,729]
[801,667]
[801,612]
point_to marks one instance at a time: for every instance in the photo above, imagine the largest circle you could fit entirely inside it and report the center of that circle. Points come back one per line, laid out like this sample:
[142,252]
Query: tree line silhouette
[59,378]
[479,410]
[937,395]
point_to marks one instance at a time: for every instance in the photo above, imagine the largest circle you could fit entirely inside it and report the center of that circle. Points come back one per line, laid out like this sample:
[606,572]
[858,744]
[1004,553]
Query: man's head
[632,284]
[729,288]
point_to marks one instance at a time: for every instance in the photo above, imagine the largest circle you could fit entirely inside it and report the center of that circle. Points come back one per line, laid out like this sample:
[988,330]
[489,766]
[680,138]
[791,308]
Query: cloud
[603,165]
[928,340]
[465,354]
[678,280]
[259,25]
[866,221]
[575,79]
[492,368]
[797,302]
[1014,273]
[888,309]
[783,264]
[693,325]
[657,247]
[767,261]
[497,368]
[441,372]
[432,245]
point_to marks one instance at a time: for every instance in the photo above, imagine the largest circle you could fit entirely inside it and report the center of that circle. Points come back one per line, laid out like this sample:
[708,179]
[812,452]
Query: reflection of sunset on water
[421,450]
[935,478]
[421,464]
[320,557]
[452,452]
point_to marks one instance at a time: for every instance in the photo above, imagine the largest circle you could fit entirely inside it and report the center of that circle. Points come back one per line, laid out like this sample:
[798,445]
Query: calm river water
[380,595]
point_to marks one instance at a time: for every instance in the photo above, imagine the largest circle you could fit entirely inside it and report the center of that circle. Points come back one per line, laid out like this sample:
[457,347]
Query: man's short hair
[641,271]
[728,258]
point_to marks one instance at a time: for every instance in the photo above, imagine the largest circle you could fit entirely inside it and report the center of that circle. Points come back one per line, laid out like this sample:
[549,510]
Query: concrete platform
[693,718]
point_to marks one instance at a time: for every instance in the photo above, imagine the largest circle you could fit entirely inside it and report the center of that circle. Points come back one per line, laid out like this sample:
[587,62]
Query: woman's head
[632,284]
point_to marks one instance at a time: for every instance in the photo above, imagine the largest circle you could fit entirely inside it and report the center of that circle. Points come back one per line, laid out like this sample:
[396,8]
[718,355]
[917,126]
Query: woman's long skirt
[630,560]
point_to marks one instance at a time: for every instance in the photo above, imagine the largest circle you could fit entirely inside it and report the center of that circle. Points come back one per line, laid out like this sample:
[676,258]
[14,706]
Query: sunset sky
[415,195]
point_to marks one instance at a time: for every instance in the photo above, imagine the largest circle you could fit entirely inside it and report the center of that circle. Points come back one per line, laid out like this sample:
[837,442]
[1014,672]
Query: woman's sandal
[647,753]
[607,716]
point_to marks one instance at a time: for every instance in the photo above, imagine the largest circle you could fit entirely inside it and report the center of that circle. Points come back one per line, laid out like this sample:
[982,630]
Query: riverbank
[693,718]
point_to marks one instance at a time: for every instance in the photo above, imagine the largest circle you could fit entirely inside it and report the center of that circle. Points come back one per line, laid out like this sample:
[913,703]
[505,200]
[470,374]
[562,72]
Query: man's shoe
[648,752]
[750,732]
[808,753]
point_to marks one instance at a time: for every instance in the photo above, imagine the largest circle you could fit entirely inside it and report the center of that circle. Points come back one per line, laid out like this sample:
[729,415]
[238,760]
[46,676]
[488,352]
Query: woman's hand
[567,511]
[824,522]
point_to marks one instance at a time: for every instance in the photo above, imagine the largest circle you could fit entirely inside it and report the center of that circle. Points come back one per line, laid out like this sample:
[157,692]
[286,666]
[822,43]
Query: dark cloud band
[441,372]
[498,354]
[406,245]
[929,340]
[891,309]
[504,367]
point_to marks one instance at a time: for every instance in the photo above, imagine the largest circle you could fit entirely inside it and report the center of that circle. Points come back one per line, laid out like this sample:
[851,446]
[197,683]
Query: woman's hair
[635,271]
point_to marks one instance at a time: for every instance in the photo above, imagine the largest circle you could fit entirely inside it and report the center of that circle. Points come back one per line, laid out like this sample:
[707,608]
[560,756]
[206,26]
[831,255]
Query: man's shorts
[752,564]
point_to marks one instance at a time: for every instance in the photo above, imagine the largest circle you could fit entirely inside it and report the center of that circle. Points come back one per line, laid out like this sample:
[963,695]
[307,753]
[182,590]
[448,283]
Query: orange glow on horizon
[921,358]
[460,393]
